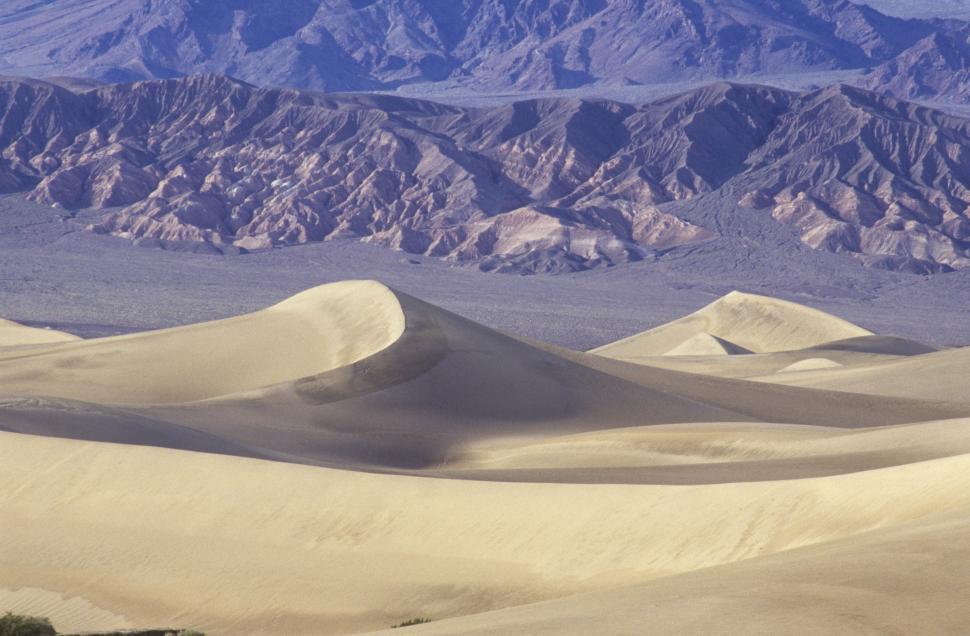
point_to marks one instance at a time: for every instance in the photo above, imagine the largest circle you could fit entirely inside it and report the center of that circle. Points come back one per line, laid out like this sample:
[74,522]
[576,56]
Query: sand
[321,329]
[354,457]
[934,376]
[13,334]
[756,323]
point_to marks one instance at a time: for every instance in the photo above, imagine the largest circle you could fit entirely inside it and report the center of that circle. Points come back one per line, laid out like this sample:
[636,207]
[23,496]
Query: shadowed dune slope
[283,384]
[757,323]
[876,344]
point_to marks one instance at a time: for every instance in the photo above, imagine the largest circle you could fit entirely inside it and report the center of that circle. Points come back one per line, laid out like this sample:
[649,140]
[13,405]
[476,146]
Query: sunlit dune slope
[233,545]
[756,323]
[13,334]
[944,375]
[318,330]
[906,579]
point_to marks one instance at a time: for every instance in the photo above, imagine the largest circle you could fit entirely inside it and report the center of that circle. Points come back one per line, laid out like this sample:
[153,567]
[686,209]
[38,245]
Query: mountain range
[483,45]
[538,185]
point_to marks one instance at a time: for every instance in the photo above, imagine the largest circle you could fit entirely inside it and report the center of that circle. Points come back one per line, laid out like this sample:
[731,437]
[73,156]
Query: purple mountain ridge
[539,185]
[486,45]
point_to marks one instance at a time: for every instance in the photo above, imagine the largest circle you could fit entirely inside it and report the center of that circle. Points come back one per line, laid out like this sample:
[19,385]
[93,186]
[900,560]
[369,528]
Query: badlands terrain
[353,457]
[555,184]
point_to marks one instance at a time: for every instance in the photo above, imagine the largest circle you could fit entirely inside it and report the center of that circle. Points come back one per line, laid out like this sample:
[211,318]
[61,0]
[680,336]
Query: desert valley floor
[353,457]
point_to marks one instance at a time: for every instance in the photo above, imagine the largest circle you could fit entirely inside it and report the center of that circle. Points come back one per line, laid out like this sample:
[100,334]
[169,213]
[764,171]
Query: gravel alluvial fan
[556,184]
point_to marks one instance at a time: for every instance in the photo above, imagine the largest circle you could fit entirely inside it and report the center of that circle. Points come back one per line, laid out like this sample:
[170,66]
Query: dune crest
[315,331]
[757,323]
[940,375]
[705,344]
[810,364]
[13,334]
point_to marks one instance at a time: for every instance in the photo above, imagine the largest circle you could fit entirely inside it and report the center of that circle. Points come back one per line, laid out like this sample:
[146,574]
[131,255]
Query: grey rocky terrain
[542,185]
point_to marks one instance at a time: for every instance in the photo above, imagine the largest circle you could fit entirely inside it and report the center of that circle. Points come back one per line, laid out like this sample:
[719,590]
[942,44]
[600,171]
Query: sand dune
[708,452]
[860,351]
[810,364]
[13,334]
[898,580]
[705,344]
[444,382]
[335,551]
[933,376]
[759,364]
[318,330]
[354,457]
[757,323]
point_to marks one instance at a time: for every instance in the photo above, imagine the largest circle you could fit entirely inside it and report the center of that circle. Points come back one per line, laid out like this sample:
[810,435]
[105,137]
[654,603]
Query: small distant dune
[940,376]
[754,323]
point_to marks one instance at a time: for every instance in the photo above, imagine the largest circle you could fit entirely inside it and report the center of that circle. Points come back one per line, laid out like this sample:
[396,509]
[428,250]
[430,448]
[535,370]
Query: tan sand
[13,334]
[705,344]
[933,376]
[757,323]
[235,545]
[318,330]
[899,580]
[367,458]
[810,364]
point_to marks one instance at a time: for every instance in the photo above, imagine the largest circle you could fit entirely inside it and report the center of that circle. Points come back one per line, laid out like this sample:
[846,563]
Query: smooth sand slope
[898,580]
[321,329]
[943,375]
[354,457]
[13,334]
[237,545]
[756,323]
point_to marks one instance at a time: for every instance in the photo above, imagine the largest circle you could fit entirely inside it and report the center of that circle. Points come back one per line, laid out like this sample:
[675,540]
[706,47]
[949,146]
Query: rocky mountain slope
[539,185]
[482,44]
[937,66]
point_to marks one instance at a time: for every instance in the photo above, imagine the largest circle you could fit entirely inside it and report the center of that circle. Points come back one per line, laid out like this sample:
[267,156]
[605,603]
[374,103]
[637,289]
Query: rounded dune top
[318,330]
[759,324]
[14,334]
[705,344]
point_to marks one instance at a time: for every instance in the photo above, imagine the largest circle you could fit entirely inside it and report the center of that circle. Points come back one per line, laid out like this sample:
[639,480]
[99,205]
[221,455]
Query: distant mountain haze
[484,45]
